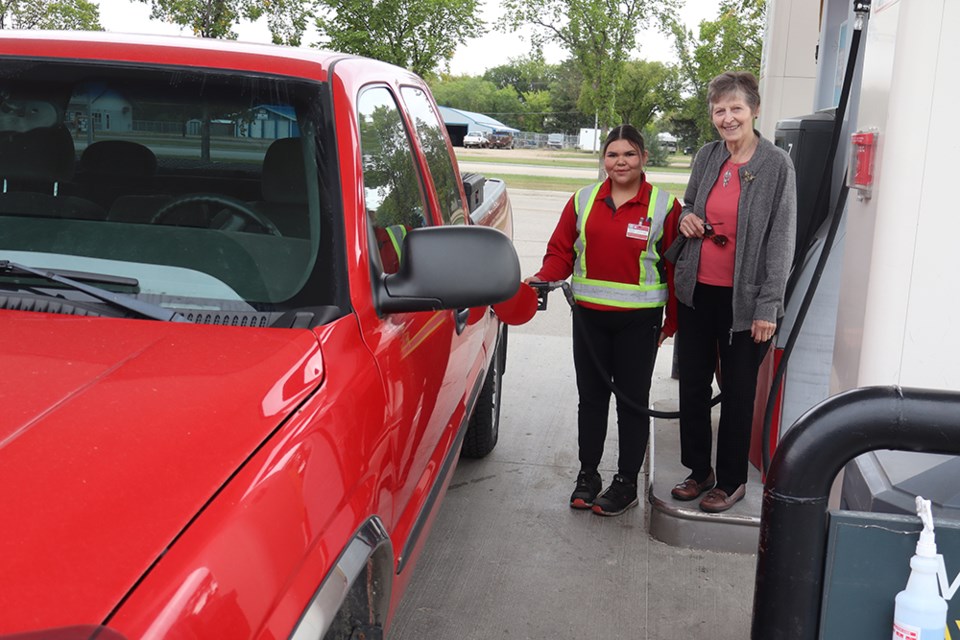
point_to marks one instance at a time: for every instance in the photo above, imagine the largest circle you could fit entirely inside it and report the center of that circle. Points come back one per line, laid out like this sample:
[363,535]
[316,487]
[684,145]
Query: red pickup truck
[245,332]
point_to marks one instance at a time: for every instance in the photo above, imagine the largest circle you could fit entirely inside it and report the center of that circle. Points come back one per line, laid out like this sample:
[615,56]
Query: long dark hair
[626,132]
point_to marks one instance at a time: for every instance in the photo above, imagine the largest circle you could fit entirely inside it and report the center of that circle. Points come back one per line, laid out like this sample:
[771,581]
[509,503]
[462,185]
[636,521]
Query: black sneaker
[617,498]
[588,486]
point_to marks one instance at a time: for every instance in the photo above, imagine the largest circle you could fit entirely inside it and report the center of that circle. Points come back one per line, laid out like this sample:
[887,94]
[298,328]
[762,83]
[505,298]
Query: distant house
[106,109]
[271,121]
[459,122]
[267,122]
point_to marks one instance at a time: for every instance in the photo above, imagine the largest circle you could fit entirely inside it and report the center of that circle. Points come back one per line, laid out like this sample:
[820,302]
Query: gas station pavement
[508,559]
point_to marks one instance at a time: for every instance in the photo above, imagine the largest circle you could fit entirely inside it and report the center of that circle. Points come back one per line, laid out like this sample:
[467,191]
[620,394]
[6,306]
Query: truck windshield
[204,186]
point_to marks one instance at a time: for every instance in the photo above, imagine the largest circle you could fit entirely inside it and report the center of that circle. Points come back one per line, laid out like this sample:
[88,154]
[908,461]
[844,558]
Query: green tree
[599,34]
[731,42]
[566,116]
[420,35]
[684,122]
[507,107]
[649,89]
[287,19]
[658,156]
[470,93]
[529,78]
[548,93]
[46,14]
[525,74]
[535,112]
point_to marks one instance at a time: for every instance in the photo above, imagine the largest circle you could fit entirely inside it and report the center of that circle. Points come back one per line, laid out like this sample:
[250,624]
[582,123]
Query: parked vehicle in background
[228,412]
[476,140]
[501,140]
[555,141]
[527,142]
[667,141]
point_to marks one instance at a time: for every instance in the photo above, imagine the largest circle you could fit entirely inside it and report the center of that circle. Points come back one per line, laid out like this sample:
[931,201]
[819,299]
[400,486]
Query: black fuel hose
[564,286]
[861,9]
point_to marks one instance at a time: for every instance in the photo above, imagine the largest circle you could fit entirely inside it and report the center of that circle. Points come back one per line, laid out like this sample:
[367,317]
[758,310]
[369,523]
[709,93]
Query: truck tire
[484,428]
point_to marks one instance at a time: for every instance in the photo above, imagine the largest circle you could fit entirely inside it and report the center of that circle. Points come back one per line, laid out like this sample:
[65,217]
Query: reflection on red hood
[113,435]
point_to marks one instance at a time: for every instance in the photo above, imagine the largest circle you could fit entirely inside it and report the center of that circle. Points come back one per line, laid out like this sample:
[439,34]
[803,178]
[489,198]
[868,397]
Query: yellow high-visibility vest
[650,291]
[396,233]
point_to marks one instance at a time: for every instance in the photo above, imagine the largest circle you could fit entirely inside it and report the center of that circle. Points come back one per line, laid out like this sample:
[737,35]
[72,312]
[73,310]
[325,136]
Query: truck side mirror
[451,268]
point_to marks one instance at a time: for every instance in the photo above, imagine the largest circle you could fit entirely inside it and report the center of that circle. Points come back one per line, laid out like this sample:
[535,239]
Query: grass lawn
[680,159]
[557,161]
[551,161]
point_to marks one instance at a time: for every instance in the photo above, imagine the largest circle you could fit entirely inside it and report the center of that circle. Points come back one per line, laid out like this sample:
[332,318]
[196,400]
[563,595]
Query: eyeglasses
[716,238]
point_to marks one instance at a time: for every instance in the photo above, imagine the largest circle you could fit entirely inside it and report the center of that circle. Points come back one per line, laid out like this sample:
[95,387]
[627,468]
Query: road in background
[508,559]
[590,173]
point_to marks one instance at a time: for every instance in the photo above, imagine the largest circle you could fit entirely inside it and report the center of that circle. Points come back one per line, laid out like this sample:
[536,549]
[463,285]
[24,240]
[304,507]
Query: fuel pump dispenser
[807,139]
[887,370]
[888,314]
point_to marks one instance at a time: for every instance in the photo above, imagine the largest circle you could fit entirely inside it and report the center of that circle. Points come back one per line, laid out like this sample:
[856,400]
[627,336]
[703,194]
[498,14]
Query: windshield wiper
[145,309]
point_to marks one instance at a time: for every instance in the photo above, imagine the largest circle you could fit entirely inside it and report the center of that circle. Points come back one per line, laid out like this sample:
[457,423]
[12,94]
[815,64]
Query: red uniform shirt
[611,254]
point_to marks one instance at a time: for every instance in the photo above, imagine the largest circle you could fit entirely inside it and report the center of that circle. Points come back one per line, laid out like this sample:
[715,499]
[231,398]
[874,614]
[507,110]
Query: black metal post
[793,525]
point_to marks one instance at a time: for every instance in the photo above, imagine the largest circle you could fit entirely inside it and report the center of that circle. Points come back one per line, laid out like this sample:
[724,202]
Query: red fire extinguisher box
[764,383]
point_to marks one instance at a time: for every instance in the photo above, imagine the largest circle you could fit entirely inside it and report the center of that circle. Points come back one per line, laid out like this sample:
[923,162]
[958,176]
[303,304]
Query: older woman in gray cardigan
[739,223]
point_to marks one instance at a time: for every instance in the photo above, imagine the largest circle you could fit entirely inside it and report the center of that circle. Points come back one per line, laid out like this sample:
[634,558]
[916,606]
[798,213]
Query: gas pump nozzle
[544,288]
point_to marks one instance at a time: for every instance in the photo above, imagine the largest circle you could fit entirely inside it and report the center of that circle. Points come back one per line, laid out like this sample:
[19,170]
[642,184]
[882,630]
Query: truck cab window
[392,189]
[201,186]
[434,144]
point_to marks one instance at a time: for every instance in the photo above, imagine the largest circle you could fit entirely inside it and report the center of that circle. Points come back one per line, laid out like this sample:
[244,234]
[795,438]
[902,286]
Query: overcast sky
[473,58]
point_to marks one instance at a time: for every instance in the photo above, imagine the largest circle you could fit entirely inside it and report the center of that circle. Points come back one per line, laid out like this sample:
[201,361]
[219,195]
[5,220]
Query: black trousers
[625,344]
[705,335]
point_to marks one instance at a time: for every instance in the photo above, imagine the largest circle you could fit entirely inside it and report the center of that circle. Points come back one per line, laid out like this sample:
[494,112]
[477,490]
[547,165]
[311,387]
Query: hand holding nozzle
[543,288]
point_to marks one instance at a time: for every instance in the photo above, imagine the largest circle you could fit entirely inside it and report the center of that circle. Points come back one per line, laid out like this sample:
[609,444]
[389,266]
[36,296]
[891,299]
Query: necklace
[731,165]
[744,155]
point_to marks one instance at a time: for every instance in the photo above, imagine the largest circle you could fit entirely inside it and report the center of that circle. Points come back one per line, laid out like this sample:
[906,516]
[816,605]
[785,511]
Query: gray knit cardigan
[766,230]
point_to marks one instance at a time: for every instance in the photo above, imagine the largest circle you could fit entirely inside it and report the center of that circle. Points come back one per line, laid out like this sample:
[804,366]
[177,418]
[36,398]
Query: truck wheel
[484,428]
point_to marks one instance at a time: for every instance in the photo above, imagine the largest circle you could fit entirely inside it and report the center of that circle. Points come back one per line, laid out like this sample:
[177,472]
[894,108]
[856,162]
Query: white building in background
[106,109]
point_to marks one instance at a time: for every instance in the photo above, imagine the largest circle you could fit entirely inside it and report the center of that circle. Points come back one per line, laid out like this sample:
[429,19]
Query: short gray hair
[731,82]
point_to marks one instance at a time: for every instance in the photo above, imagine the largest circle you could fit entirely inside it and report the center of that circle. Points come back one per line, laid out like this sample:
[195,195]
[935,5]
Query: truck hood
[114,434]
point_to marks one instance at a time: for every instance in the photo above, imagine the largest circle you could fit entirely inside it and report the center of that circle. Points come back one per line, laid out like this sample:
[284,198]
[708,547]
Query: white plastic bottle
[920,612]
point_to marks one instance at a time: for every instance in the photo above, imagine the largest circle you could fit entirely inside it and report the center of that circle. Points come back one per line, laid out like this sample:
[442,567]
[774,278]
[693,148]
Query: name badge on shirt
[639,231]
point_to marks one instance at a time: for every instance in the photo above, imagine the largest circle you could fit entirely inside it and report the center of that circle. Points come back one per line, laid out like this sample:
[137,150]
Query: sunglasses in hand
[716,238]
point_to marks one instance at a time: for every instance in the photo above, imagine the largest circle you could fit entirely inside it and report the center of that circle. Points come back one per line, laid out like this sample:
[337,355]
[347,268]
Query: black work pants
[705,335]
[625,346]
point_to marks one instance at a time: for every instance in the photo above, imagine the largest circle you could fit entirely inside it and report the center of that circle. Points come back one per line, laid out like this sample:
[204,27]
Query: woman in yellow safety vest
[611,237]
